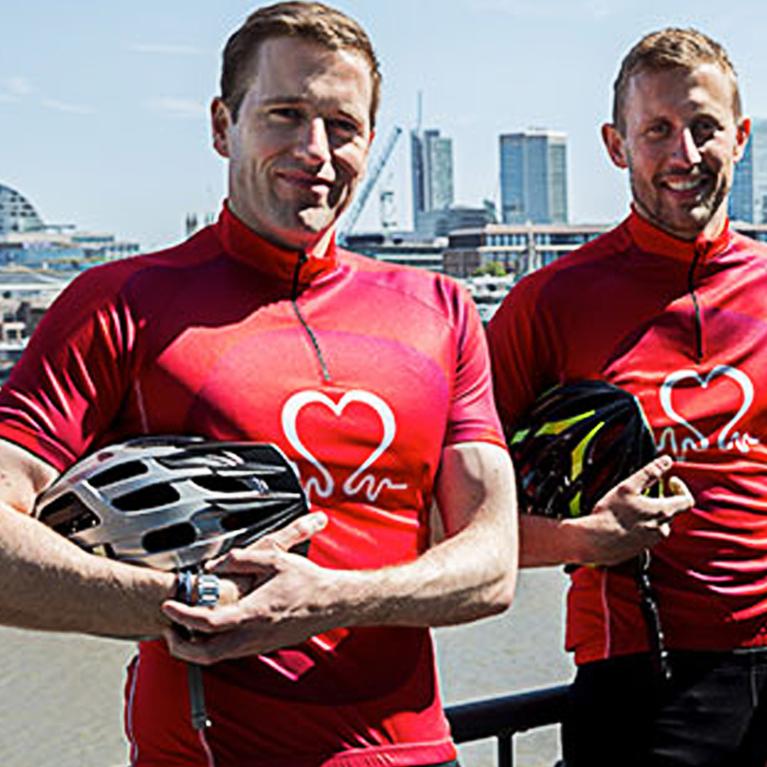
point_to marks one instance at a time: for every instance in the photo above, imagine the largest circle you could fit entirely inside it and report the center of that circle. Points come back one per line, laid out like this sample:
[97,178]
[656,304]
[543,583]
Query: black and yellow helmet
[577,442]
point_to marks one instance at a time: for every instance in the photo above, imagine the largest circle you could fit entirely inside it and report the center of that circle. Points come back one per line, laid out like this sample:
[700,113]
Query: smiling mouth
[686,184]
[305,181]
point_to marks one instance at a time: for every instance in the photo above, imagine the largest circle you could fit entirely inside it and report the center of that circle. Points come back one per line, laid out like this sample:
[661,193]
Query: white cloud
[17,86]
[64,106]
[165,49]
[178,107]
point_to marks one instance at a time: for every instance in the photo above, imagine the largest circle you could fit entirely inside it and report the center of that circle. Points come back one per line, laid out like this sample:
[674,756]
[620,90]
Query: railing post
[502,718]
[505,750]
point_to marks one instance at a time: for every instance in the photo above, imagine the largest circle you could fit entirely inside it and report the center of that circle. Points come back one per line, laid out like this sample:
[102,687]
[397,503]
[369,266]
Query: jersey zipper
[302,259]
[698,316]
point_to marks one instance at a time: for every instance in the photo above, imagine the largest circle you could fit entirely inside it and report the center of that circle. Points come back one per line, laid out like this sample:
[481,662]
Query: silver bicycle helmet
[173,502]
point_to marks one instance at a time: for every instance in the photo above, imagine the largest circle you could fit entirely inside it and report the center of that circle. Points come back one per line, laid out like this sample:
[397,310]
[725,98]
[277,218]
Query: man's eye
[703,130]
[285,114]
[658,130]
[343,127]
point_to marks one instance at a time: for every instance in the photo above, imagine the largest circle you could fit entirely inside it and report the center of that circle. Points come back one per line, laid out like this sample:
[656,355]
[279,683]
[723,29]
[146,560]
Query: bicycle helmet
[173,502]
[577,442]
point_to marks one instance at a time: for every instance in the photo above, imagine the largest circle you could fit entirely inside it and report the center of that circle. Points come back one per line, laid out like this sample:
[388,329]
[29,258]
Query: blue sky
[103,106]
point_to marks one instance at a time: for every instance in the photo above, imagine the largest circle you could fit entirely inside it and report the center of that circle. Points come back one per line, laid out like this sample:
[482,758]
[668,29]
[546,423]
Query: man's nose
[686,148]
[315,142]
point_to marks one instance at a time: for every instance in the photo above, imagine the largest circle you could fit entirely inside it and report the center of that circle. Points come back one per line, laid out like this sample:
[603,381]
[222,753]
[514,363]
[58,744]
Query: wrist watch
[207,590]
[202,589]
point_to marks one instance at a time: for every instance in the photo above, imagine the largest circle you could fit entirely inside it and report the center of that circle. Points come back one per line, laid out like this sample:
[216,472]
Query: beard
[683,219]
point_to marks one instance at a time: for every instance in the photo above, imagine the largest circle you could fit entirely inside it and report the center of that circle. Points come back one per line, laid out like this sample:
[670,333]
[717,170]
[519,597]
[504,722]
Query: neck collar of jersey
[654,240]
[242,243]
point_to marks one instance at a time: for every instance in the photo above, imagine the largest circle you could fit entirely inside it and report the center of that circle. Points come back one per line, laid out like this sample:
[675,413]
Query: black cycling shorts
[712,713]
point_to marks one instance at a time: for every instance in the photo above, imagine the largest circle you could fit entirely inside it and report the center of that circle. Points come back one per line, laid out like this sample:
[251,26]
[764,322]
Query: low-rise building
[513,249]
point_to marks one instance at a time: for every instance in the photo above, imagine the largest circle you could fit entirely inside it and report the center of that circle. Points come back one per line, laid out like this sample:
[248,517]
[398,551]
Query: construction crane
[375,171]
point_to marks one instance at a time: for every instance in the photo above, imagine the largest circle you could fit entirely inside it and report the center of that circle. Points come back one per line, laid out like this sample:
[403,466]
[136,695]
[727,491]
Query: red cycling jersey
[362,373]
[683,326]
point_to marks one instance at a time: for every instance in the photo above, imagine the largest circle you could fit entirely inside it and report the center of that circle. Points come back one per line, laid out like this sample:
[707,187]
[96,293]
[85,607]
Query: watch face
[208,590]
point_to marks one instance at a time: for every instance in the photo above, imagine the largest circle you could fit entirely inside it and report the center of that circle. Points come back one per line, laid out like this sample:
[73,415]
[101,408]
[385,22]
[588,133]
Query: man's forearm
[49,583]
[468,576]
[544,542]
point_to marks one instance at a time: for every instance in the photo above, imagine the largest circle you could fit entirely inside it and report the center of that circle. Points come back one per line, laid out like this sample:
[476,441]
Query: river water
[61,695]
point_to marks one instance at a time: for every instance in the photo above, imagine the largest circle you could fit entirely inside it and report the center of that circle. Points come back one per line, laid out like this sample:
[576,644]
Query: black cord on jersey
[302,258]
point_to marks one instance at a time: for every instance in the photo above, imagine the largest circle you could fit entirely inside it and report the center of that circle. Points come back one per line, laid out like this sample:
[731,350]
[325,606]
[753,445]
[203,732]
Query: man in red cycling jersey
[373,379]
[670,306]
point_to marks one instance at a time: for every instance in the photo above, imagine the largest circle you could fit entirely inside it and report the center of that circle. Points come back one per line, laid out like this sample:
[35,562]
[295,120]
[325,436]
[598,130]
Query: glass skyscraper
[431,163]
[748,198]
[534,177]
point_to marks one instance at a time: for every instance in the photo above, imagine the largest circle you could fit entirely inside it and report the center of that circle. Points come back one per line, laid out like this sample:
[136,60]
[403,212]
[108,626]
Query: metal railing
[502,718]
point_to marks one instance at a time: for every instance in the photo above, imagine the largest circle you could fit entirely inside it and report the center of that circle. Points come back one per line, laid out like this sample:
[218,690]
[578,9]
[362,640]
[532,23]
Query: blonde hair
[671,48]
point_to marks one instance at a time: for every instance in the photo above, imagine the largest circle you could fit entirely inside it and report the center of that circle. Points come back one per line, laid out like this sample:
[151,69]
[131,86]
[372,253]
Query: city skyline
[104,108]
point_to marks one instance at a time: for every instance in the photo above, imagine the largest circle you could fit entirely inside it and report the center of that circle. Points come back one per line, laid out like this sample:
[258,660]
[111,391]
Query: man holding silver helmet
[260,328]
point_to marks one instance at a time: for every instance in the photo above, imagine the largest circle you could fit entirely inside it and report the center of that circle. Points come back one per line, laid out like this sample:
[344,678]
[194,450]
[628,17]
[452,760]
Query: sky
[103,106]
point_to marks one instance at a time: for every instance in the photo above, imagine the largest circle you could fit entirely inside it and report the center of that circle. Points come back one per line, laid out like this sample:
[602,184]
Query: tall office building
[534,177]
[748,199]
[431,167]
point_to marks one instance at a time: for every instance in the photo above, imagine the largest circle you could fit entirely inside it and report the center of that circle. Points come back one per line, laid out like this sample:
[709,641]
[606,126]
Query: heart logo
[358,481]
[729,438]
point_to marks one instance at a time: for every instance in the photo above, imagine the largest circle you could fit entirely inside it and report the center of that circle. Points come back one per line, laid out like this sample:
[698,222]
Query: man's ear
[220,122]
[615,145]
[741,138]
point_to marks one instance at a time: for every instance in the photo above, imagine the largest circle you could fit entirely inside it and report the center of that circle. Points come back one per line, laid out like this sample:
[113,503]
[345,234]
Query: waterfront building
[17,214]
[439,223]
[748,199]
[431,170]
[25,239]
[513,249]
[533,167]
[519,249]
[403,248]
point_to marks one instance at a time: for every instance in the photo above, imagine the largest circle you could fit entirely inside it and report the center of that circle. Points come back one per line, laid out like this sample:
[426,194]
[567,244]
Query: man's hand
[468,575]
[278,605]
[624,522]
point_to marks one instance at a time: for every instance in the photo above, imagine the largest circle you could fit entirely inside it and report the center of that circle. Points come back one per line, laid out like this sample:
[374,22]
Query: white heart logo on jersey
[358,481]
[728,438]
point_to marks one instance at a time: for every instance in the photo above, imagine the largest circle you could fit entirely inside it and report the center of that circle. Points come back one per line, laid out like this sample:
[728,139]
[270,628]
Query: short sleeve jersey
[683,326]
[362,373]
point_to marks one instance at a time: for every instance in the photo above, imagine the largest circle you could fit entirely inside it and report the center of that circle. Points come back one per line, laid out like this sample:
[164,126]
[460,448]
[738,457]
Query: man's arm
[468,575]
[49,583]
[624,523]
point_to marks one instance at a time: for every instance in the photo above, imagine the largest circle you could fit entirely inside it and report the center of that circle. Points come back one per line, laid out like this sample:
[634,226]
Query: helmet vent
[118,473]
[171,537]
[59,504]
[147,498]
[68,516]
[218,484]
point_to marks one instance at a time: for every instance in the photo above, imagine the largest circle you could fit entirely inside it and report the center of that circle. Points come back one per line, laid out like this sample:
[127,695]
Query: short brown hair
[671,48]
[311,21]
